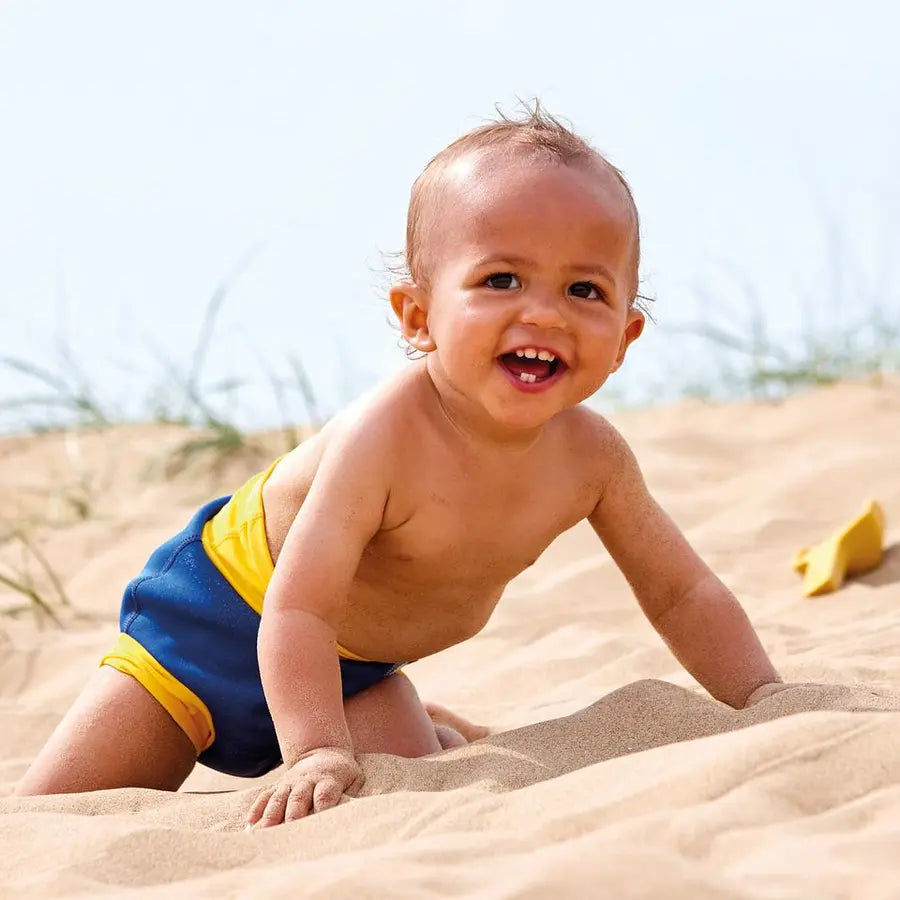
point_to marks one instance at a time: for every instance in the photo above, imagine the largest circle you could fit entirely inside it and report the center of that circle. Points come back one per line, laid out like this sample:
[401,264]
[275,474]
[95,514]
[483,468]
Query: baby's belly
[402,621]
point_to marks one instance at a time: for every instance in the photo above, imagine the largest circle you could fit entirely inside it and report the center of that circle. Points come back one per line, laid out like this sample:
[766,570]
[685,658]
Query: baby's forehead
[480,192]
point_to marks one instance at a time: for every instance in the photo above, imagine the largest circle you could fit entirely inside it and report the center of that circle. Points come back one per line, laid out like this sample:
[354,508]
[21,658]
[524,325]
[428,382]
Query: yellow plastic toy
[854,549]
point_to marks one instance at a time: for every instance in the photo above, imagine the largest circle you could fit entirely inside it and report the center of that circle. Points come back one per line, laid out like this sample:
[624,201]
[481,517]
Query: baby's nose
[542,310]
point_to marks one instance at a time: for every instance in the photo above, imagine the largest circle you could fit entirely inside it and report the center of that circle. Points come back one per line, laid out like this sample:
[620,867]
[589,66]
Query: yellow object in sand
[855,548]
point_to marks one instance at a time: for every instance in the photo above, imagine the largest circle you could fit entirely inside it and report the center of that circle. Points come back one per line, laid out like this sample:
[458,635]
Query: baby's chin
[522,419]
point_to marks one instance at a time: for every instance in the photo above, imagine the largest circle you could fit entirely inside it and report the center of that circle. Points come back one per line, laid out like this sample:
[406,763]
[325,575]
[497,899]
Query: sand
[611,773]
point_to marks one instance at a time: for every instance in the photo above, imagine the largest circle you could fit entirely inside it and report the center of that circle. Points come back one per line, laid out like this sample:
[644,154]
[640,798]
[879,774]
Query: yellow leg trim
[179,701]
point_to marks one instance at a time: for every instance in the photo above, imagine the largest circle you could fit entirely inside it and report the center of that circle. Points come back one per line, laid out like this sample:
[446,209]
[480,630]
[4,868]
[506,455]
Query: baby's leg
[115,735]
[389,718]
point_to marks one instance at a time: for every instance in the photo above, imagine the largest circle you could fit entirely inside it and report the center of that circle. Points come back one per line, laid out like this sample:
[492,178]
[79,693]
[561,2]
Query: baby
[273,627]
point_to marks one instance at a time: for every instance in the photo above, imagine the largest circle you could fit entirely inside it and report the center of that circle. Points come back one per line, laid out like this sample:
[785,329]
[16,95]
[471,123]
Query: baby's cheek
[477,328]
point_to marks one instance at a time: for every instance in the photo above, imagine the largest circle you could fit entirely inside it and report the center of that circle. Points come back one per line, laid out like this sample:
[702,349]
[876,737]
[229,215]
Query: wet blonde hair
[535,133]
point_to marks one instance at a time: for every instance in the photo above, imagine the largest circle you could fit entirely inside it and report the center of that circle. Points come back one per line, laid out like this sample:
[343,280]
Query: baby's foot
[440,715]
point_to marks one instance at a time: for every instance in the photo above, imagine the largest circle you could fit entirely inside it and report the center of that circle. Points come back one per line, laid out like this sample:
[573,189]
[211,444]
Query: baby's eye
[586,290]
[503,281]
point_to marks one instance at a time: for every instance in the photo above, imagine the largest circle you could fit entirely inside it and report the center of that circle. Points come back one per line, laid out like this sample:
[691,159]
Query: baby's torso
[455,531]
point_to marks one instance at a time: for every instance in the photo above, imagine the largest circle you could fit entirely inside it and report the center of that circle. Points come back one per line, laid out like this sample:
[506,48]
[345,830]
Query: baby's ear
[408,303]
[634,325]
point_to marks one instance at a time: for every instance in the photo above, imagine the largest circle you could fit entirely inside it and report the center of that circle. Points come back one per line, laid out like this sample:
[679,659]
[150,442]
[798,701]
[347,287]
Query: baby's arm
[303,608]
[697,616]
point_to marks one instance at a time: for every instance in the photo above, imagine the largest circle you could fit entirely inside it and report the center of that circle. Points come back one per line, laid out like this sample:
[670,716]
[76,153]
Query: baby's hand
[315,782]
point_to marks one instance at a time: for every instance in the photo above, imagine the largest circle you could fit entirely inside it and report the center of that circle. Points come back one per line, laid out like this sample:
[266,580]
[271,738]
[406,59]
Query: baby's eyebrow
[594,268]
[511,258]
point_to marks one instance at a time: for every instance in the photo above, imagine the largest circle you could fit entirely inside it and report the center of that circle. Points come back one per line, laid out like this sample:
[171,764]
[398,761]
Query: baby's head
[536,138]
[520,237]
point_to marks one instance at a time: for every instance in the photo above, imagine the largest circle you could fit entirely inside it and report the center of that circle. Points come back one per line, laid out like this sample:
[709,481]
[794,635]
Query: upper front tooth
[520,353]
[531,353]
[546,355]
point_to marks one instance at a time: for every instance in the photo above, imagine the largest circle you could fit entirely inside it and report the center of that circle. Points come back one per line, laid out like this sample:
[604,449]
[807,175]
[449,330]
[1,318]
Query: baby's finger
[274,812]
[355,788]
[327,793]
[299,804]
[259,805]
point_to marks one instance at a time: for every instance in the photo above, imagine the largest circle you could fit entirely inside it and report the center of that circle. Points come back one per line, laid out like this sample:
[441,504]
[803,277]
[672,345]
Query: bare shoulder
[589,426]
[356,453]
[598,445]
[367,432]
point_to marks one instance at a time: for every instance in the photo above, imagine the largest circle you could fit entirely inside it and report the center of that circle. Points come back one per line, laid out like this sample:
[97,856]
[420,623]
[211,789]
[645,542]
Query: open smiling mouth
[531,372]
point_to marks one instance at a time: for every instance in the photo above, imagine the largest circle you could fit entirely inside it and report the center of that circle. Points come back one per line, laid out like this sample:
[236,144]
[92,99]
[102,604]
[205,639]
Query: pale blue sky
[147,146]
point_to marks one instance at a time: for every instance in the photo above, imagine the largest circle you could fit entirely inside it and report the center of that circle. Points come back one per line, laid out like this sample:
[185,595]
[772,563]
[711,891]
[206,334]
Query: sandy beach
[610,772]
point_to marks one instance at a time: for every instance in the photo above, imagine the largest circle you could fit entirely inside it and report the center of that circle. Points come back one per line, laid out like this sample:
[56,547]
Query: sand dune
[610,773]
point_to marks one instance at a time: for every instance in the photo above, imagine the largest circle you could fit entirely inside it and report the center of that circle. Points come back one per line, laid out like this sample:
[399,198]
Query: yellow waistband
[235,541]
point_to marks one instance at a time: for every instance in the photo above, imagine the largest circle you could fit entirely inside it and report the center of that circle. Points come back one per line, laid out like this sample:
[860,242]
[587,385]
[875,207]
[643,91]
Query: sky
[154,152]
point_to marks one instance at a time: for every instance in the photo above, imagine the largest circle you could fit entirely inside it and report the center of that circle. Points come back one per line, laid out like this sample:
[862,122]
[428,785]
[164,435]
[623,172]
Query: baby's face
[532,272]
